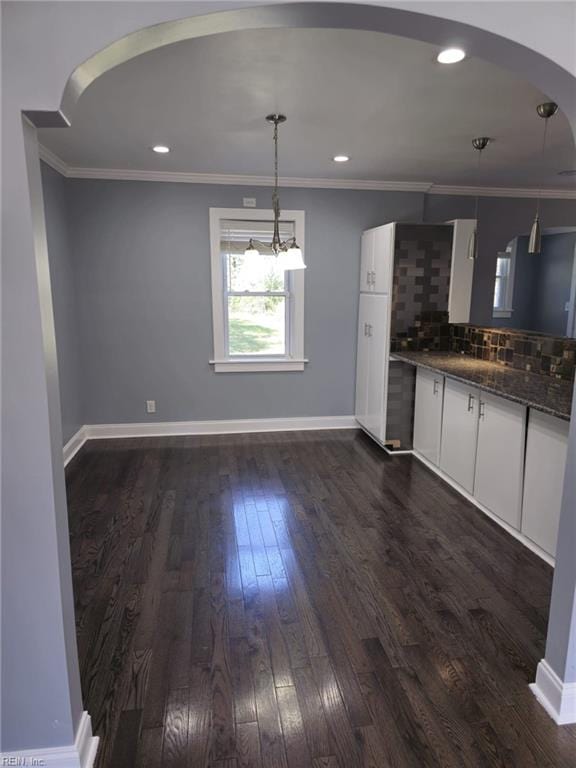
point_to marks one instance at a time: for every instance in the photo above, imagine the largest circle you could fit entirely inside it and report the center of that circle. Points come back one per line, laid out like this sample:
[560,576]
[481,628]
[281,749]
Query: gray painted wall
[143,328]
[64,300]
[542,284]
[143,264]
[553,282]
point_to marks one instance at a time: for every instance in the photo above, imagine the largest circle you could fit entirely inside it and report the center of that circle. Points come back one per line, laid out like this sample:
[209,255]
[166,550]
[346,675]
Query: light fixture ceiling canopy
[288,252]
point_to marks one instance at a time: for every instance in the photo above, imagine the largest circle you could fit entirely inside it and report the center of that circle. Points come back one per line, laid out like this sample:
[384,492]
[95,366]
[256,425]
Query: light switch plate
[249,202]
[150,406]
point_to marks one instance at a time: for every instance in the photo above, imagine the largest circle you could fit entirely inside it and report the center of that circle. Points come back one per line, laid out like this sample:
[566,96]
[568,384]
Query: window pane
[498,292]
[256,325]
[254,273]
[502,266]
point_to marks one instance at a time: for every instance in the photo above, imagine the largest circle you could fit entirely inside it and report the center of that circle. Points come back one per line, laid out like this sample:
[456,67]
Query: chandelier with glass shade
[288,252]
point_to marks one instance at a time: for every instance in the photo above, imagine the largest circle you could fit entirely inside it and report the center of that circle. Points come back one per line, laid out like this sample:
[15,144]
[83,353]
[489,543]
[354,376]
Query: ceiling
[381,99]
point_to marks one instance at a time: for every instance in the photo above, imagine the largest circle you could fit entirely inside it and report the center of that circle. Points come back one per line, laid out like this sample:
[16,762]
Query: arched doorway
[30,382]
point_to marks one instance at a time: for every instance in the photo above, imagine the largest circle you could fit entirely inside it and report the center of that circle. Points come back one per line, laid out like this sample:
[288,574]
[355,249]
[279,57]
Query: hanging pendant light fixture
[480,145]
[288,251]
[545,111]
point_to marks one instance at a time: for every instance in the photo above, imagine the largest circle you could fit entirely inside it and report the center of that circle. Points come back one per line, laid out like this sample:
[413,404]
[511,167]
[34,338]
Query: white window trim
[223,364]
[507,309]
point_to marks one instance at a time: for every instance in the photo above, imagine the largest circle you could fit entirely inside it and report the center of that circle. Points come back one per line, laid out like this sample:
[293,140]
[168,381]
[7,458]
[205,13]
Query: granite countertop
[543,393]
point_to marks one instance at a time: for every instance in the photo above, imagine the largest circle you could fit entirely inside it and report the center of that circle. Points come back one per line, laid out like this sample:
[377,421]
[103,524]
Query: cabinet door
[362,360]
[367,261]
[428,414]
[546,448]
[500,457]
[459,433]
[378,352]
[383,259]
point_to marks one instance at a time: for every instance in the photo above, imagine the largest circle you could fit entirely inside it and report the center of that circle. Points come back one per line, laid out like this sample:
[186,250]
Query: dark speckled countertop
[541,392]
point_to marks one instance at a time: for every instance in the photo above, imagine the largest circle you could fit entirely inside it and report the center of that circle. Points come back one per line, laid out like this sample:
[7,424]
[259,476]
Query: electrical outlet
[150,406]
[249,202]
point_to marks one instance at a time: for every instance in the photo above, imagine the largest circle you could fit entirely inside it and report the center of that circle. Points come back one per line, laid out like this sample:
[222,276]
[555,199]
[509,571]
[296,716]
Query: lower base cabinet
[459,433]
[546,448]
[428,414]
[499,470]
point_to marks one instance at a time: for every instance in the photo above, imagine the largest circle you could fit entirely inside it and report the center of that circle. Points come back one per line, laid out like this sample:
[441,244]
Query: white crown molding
[246,181]
[180,177]
[53,160]
[81,754]
[557,698]
[552,194]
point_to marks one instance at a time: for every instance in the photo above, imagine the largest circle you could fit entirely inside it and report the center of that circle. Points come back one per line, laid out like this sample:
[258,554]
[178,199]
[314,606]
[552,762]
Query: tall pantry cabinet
[414,279]
[377,256]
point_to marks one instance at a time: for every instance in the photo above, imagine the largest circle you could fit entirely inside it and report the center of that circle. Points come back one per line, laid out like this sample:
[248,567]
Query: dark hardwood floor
[301,599]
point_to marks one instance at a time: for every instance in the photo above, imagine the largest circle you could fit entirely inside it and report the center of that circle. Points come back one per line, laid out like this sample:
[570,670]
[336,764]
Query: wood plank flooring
[296,600]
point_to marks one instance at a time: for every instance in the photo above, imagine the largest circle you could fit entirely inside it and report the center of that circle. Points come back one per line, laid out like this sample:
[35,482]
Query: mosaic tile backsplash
[523,350]
[422,258]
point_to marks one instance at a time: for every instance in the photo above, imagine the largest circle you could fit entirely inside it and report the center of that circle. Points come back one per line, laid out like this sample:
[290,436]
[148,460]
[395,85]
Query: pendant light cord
[542,160]
[477,206]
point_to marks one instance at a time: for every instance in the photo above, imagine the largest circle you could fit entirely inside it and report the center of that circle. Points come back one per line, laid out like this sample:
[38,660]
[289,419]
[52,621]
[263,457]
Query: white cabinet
[363,360]
[459,433]
[428,414]
[367,261]
[546,448]
[377,259]
[500,457]
[383,265]
[372,362]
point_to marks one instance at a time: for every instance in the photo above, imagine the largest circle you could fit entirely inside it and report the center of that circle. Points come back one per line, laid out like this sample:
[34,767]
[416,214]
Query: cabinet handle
[369,330]
[481,409]
[471,399]
[436,385]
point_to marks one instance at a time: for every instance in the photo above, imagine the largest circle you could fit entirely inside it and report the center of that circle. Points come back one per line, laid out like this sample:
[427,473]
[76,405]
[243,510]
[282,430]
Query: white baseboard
[81,754]
[468,496]
[557,698]
[74,444]
[173,428]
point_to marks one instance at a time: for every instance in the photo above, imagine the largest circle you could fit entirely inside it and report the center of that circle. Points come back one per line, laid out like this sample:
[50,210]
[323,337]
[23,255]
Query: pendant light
[545,111]
[480,145]
[288,251]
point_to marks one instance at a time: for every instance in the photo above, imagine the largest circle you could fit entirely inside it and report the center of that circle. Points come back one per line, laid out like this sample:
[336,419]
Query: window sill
[257,366]
[502,313]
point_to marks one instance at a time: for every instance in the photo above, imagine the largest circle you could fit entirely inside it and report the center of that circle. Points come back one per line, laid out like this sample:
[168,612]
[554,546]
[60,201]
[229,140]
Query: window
[257,309]
[504,283]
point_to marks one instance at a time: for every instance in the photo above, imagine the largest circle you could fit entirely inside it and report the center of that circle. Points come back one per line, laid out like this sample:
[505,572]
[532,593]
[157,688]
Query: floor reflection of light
[260,526]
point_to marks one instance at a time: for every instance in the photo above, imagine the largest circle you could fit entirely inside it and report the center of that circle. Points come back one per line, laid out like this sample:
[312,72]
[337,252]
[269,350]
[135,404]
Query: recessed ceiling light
[451,56]
[161,149]
[340,158]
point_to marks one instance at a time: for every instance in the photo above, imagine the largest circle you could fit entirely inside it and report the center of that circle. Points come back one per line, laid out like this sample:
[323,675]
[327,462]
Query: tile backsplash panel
[537,353]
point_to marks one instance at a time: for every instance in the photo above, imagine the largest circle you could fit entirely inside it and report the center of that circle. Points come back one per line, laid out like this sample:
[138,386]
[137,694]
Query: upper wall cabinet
[377,259]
